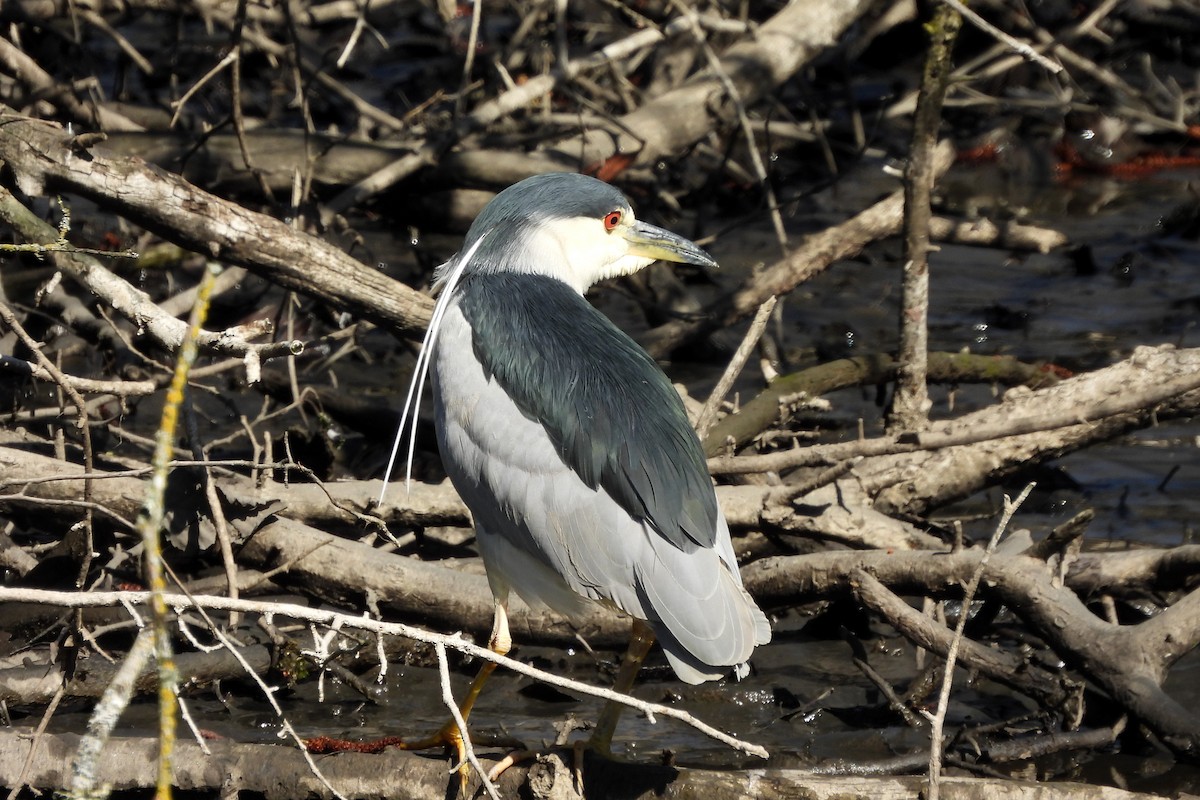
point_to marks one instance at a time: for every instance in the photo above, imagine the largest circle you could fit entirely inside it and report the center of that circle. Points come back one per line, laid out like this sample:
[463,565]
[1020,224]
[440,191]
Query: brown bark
[42,158]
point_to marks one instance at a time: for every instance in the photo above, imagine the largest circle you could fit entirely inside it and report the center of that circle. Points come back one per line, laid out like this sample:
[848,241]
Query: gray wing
[546,533]
[611,412]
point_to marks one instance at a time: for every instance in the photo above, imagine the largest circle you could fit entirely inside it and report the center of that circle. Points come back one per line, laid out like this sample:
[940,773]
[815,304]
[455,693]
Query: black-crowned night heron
[569,444]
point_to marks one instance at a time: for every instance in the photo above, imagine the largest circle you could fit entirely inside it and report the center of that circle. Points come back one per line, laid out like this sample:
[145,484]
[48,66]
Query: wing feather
[611,412]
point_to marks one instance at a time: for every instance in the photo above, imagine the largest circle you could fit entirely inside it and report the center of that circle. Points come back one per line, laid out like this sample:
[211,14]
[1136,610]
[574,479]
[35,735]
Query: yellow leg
[499,643]
[449,735]
[640,641]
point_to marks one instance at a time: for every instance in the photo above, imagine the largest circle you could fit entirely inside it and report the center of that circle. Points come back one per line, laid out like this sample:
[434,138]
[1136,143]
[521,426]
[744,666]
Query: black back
[612,413]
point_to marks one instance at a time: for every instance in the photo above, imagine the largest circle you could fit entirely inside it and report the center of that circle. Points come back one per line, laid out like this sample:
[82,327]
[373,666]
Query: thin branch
[104,716]
[910,403]
[938,718]
[330,617]
[708,414]
[1025,50]
[150,524]
[468,749]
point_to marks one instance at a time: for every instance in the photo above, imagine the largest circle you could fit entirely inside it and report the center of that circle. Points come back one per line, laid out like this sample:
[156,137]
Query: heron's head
[571,227]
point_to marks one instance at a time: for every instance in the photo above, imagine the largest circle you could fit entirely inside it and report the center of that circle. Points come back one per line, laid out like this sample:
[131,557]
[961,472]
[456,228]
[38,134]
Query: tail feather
[703,633]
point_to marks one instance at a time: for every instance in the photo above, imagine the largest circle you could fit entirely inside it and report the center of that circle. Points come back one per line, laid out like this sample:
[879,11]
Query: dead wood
[669,123]
[1089,408]
[279,773]
[346,573]
[1053,690]
[1132,573]
[42,158]
[769,407]
[38,683]
[350,574]
[910,405]
[632,87]
[1008,234]
[663,125]
[1029,426]
[216,162]
[1129,662]
[132,303]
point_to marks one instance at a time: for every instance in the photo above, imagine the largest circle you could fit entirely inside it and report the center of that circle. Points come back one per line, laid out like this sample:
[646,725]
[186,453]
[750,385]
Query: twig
[1017,45]
[895,702]
[150,523]
[99,22]
[10,319]
[330,617]
[938,718]
[1046,410]
[127,300]
[468,749]
[47,715]
[216,511]
[180,104]
[104,716]
[708,414]
[735,97]
[469,61]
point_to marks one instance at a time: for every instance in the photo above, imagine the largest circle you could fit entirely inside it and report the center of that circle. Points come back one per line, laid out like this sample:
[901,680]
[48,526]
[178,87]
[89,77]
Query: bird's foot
[512,759]
[451,739]
[563,765]
[600,746]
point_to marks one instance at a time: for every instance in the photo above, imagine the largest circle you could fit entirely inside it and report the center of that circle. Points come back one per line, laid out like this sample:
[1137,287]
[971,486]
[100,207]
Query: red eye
[611,220]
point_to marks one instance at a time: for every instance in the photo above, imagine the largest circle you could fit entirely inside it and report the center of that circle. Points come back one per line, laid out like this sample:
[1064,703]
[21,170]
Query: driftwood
[46,159]
[279,773]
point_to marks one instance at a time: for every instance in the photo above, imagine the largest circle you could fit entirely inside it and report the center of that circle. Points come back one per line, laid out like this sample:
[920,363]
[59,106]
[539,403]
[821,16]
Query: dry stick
[118,389]
[268,693]
[995,65]
[40,83]
[360,25]
[979,426]
[817,252]
[182,102]
[910,404]
[104,716]
[486,113]
[85,431]
[220,523]
[100,23]
[468,749]
[128,301]
[37,738]
[760,171]
[336,618]
[150,523]
[708,414]
[938,718]
[469,61]
[165,203]
[1024,49]
[237,114]
[81,424]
